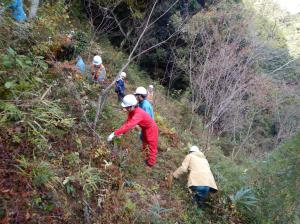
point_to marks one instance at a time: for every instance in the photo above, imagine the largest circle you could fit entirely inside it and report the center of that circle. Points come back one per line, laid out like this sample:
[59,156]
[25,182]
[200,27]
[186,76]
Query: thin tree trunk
[103,96]
[33,8]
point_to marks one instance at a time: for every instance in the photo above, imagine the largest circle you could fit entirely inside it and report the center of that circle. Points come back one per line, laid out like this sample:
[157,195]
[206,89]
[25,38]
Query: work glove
[110,137]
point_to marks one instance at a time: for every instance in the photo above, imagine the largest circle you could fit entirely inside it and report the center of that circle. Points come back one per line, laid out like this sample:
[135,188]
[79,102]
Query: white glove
[110,137]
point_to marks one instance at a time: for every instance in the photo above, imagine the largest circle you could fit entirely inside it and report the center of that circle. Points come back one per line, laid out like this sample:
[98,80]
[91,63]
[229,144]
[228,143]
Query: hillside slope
[55,169]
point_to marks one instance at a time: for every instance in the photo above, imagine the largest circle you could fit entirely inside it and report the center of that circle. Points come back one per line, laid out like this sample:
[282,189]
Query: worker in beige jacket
[201,180]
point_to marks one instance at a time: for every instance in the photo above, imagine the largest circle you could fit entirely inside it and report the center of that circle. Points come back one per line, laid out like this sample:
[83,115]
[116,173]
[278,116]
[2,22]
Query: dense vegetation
[226,78]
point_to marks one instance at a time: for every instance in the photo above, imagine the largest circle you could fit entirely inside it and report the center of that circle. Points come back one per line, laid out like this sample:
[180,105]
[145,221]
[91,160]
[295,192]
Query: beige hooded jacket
[200,173]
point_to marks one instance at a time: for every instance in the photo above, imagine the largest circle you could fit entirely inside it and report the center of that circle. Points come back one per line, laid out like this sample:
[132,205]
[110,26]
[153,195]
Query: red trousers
[150,141]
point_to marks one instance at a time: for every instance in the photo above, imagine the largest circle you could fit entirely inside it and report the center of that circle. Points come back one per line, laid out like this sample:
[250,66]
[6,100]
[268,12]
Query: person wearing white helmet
[120,86]
[141,95]
[137,116]
[98,71]
[150,96]
[201,180]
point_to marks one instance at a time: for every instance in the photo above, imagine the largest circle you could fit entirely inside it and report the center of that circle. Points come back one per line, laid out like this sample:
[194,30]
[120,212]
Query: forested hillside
[226,78]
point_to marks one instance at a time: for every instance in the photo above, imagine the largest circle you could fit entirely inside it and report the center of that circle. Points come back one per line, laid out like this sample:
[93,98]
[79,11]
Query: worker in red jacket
[137,116]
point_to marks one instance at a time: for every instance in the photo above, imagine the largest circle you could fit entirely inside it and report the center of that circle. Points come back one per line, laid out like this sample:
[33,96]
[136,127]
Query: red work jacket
[139,117]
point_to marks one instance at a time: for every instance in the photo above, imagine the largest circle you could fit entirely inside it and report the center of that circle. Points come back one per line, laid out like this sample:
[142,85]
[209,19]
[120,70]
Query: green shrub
[89,178]
[278,185]
[40,172]
[244,199]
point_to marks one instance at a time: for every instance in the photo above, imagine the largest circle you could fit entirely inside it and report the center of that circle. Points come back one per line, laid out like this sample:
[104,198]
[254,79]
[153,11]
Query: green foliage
[49,125]
[43,202]
[192,215]
[52,18]
[228,175]
[244,199]
[68,185]
[46,117]
[129,205]
[156,211]
[81,42]
[278,181]
[89,178]
[49,114]
[40,172]
[9,112]
[73,159]
[12,60]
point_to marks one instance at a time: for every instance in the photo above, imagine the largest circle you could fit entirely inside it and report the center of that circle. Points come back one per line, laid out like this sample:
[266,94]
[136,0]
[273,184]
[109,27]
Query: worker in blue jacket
[80,64]
[120,86]
[18,11]
[141,95]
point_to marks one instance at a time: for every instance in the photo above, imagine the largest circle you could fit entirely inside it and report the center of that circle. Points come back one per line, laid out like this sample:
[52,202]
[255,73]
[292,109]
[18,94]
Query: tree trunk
[33,8]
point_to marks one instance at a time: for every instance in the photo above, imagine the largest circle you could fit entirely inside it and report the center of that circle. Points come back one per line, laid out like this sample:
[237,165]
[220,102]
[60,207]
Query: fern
[40,172]
[244,199]
[89,178]
[9,112]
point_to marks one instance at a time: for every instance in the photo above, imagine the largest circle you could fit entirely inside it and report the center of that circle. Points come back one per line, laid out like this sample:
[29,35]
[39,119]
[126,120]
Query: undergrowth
[54,169]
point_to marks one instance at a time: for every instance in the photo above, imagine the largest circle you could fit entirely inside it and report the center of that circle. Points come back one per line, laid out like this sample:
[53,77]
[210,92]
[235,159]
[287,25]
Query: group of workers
[97,71]
[140,112]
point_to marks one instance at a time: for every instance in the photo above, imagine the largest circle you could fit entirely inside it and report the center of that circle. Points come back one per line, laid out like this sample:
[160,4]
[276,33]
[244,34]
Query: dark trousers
[120,96]
[200,193]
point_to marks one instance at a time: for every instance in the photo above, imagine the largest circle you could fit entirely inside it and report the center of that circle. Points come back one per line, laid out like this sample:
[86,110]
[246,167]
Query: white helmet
[140,91]
[194,149]
[123,75]
[151,86]
[97,60]
[129,100]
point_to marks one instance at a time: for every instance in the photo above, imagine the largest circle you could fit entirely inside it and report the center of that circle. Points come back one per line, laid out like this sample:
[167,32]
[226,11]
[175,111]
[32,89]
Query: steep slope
[55,169]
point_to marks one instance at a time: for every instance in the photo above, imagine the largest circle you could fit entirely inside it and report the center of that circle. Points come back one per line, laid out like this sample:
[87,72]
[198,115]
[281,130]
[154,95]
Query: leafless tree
[133,55]
[225,87]
[287,112]
[220,68]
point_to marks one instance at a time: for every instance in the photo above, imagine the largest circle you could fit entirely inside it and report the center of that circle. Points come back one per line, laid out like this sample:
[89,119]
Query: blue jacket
[146,106]
[120,86]
[80,64]
[18,13]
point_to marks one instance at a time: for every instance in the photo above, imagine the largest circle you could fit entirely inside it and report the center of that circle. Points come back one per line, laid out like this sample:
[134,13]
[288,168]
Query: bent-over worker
[137,116]
[201,180]
[98,71]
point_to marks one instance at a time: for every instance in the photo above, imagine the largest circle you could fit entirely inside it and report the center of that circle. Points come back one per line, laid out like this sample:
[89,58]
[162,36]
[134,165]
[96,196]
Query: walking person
[120,86]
